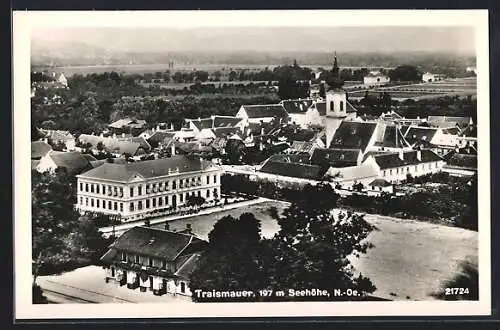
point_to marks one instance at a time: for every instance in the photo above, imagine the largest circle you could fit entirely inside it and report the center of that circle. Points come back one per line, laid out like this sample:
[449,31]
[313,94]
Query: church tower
[336,102]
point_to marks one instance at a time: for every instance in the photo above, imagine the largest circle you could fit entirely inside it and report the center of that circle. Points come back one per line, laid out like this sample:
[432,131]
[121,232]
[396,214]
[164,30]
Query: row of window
[101,189]
[105,205]
[403,170]
[164,200]
[164,185]
[136,259]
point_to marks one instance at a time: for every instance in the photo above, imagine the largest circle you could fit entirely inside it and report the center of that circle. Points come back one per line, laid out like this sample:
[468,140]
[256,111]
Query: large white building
[138,190]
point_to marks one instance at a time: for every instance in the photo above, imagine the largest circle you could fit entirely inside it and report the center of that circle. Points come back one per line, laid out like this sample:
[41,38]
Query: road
[119,229]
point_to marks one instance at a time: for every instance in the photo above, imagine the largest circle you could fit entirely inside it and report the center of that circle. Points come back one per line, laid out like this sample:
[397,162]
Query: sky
[453,39]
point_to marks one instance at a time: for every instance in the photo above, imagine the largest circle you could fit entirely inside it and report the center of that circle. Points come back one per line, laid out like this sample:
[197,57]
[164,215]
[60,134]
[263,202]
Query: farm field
[461,87]
[410,260]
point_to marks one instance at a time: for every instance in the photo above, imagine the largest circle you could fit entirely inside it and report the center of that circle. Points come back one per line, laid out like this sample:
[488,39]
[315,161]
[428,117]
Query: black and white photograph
[251,163]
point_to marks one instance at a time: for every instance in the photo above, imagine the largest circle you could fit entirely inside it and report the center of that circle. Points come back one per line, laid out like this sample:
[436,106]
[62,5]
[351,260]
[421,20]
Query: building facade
[141,189]
[154,260]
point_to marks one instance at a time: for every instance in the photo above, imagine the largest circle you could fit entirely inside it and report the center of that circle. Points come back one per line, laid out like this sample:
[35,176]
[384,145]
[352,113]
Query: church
[377,147]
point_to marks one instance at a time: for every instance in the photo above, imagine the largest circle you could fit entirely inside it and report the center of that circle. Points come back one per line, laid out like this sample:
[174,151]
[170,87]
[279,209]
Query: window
[81,200]
[139,190]
[121,207]
[91,187]
[115,191]
[384,173]
[131,207]
[199,193]
[97,188]
[160,201]
[98,203]
[81,186]
[341,106]
[181,198]
[150,262]
[183,287]
[139,205]
[131,191]
[147,203]
[103,189]
[86,187]
[164,264]
[115,206]
[137,260]
[181,183]
[154,202]
[109,205]
[124,256]
[208,193]
[86,201]
[92,202]
[174,184]
[407,169]
[208,179]
[121,192]
[415,168]
[390,172]
[331,105]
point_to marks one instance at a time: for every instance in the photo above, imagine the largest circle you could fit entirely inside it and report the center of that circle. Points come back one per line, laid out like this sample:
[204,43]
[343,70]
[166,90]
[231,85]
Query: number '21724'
[455,291]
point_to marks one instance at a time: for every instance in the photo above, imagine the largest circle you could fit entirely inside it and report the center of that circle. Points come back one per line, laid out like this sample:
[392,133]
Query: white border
[23,22]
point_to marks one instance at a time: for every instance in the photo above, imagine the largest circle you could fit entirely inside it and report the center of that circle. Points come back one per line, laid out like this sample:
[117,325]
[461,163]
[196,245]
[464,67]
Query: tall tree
[313,245]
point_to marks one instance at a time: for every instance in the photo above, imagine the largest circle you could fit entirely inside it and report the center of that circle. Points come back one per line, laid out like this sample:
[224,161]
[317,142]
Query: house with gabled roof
[396,166]
[39,149]
[127,125]
[263,113]
[297,111]
[59,137]
[74,162]
[152,259]
[215,122]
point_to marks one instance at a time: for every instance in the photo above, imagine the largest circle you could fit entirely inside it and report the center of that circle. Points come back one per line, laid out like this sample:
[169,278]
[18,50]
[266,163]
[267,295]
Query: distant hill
[74,53]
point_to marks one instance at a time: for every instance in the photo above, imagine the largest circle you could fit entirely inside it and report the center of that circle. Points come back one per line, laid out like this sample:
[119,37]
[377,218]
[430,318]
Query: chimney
[419,155]
[401,154]
[172,126]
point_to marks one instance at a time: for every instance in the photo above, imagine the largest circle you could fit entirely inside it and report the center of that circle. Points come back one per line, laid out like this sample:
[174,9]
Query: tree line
[453,202]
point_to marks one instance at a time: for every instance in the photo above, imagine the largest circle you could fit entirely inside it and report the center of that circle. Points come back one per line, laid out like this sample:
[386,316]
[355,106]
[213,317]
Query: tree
[233,258]
[62,239]
[405,73]
[313,245]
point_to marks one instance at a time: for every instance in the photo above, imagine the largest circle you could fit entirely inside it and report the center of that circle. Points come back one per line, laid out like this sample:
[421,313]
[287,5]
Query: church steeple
[335,69]
[334,81]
